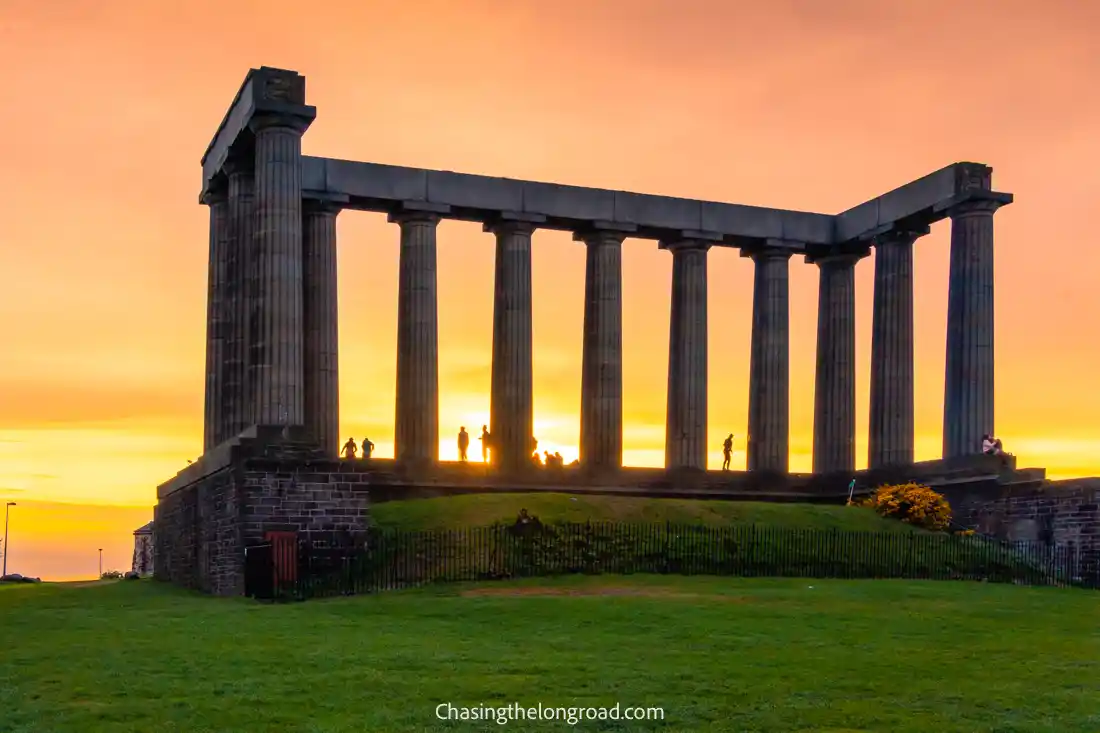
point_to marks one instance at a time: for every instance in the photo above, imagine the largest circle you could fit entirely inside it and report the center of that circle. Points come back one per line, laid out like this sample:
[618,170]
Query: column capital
[216,193]
[239,165]
[772,249]
[517,223]
[896,234]
[408,212]
[604,231]
[296,118]
[317,202]
[973,201]
[837,256]
[686,245]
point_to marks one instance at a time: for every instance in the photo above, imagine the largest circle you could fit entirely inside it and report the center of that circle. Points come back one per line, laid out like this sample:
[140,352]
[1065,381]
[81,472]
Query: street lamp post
[7,510]
[100,562]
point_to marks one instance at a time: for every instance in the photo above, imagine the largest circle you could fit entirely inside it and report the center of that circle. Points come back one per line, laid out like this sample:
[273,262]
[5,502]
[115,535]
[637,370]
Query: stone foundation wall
[1059,512]
[209,514]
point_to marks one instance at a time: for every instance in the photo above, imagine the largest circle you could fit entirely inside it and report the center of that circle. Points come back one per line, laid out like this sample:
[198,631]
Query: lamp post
[7,510]
[101,562]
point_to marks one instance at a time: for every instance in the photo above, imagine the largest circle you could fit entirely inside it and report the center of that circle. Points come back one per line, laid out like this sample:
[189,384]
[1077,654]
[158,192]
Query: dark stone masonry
[234,496]
[1065,513]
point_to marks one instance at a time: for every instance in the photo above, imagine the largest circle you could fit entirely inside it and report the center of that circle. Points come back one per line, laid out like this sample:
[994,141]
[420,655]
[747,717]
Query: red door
[284,550]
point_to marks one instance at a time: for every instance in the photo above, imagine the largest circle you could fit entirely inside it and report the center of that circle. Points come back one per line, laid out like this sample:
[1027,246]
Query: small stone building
[143,550]
[269,483]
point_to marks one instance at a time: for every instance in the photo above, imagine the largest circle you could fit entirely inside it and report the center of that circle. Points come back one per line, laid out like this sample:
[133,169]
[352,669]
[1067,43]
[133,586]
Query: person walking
[727,452]
[368,449]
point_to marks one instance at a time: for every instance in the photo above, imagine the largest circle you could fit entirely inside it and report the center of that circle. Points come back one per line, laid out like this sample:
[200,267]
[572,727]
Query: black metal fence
[400,559]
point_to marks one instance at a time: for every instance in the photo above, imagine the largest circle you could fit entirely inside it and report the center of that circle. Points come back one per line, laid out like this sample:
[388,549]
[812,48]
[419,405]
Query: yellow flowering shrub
[913,504]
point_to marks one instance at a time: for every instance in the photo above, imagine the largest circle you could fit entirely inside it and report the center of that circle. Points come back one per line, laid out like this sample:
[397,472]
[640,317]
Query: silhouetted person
[485,439]
[350,449]
[987,445]
[727,451]
[536,460]
[463,443]
[547,458]
[368,449]
[559,462]
[533,446]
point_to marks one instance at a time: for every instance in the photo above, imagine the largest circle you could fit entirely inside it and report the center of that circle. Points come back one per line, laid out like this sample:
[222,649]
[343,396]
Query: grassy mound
[716,654]
[482,510]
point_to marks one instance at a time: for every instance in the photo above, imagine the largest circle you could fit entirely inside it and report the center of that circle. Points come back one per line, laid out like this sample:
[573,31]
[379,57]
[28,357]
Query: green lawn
[715,654]
[478,510]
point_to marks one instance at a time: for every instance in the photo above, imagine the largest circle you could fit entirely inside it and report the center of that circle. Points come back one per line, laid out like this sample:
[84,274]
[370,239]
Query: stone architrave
[686,417]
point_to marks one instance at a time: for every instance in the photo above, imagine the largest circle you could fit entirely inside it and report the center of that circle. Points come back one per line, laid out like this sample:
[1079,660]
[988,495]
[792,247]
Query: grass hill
[480,510]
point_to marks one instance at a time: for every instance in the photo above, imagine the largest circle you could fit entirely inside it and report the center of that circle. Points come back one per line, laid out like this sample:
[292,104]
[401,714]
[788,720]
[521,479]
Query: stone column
[601,439]
[215,413]
[416,426]
[968,386]
[835,385]
[511,408]
[320,355]
[891,434]
[241,287]
[276,374]
[769,363]
[686,418]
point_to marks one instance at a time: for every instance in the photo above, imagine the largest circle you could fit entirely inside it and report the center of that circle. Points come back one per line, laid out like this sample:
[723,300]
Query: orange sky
[109,104]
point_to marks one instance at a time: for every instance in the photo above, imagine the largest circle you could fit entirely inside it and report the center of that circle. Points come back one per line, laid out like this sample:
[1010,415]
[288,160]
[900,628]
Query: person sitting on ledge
[559,462]
[987,445]
[350,449]
[368,449]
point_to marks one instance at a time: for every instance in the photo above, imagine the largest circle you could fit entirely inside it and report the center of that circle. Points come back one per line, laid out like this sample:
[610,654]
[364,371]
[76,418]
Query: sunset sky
[802,104]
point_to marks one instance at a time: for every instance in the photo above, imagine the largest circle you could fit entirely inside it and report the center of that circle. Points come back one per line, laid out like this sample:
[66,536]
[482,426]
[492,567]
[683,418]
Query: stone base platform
[271,480]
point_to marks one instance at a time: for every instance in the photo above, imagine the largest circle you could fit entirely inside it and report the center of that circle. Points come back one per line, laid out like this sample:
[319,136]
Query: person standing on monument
[485,439]
[463,443]
[368,449]
[350,449]
[727,452]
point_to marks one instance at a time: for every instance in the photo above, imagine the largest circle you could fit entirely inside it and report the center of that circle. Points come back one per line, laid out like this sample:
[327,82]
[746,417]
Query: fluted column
[215,414]
[276,373]
[320,356]
[891,430]
[241,290]
[601,438]
[835,384]
[417,422]
[968,384]
[769,363]
[686,417]
[511,406]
